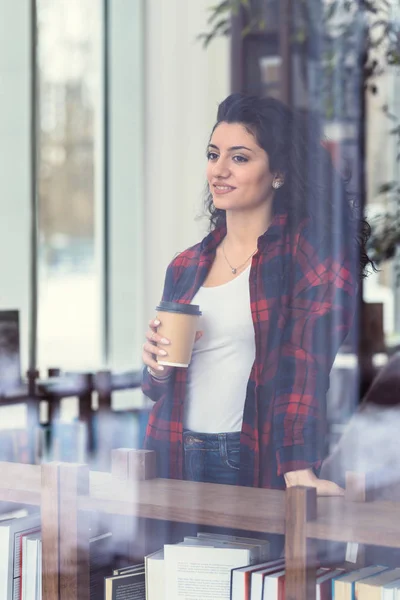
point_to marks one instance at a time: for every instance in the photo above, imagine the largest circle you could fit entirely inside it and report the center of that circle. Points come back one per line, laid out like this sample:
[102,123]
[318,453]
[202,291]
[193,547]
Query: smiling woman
[254,394]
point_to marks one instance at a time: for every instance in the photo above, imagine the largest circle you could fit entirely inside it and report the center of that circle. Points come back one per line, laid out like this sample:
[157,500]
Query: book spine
[17,588]
[18,537]
[281,588]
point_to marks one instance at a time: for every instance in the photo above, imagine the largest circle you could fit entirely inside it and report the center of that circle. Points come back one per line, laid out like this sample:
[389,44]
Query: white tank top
[222,359]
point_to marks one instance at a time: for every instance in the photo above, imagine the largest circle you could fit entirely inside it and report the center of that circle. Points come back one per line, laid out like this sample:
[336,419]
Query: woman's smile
[219,189]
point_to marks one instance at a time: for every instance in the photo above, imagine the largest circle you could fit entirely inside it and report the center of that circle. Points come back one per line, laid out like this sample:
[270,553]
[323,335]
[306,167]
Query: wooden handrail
[67,493]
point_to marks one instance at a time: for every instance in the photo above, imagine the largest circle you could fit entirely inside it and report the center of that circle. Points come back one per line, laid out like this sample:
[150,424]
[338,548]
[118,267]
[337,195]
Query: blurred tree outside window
[69,138]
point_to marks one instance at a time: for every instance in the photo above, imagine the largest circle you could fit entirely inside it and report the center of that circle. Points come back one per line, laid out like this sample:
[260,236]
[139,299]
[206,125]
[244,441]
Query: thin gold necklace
[236,269]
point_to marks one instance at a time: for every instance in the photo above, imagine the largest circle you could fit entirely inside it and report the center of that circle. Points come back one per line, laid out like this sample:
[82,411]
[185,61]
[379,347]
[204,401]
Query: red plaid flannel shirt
[302,298]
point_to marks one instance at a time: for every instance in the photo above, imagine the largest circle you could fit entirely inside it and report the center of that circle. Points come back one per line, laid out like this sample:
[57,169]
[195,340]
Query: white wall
[15,177]
[184,84]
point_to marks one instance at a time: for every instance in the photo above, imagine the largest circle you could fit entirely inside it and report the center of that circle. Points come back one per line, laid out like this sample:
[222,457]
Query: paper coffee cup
[179,323]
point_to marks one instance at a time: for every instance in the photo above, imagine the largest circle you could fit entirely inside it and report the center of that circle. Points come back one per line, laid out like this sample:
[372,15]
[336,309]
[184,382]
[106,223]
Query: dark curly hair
[313,188]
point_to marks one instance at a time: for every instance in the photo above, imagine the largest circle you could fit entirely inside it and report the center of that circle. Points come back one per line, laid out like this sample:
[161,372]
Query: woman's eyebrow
[232,148]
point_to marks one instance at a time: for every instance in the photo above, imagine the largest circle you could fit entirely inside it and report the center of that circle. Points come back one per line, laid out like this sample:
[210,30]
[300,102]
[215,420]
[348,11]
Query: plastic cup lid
[178,307]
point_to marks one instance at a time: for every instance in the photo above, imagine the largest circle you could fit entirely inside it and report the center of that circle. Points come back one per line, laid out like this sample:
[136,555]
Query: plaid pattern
[302,298]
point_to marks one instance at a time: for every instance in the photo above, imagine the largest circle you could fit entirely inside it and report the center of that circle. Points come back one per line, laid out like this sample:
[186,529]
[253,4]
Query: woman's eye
[211,155]
[240,159]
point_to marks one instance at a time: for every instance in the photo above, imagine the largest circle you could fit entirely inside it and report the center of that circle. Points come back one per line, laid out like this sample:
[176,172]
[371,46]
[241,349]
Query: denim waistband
[194,438]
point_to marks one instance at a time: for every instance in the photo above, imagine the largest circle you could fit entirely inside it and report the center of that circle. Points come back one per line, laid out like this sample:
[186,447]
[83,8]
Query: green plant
[220,18]
[338,19]
[347,38]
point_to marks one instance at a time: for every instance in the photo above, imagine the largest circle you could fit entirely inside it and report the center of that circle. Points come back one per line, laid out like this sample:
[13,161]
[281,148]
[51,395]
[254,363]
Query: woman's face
[238,169]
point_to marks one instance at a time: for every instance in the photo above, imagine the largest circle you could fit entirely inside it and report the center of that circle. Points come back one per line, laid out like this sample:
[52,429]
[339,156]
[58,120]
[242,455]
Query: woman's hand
[157,346]
[307,478]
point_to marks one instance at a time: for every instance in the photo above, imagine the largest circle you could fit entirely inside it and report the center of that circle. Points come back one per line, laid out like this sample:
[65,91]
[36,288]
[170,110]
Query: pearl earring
[277,184]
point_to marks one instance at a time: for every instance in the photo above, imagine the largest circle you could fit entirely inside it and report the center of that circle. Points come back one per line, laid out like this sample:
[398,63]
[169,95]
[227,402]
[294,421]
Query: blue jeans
[211,457]
[214,458]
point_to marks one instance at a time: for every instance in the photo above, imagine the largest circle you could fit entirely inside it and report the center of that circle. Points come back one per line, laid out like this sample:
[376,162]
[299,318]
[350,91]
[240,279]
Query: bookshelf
[68,494]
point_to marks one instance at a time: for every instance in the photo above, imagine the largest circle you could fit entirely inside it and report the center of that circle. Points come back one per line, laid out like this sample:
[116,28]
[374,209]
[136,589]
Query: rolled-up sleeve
[152,388]
[319,316]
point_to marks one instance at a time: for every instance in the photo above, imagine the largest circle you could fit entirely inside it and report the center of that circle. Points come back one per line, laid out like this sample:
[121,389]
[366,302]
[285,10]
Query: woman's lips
[223,189]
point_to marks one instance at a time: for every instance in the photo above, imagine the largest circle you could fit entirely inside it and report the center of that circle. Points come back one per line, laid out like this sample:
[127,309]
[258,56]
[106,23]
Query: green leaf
[393,58]
[235,6]
[206,38]
[218,10]
[387,187]
[331,10]
[300,36]
[262,25]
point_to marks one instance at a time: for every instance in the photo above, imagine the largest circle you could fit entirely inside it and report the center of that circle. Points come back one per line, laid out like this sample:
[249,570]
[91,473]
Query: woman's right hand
[155,346]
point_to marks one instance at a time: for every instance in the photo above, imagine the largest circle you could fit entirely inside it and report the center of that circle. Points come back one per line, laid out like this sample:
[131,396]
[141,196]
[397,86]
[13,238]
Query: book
[343,587]
[40,570]
[126,570]
[100,553]
[264,544]
[324,583]
[259,548]
[31,570]
[14,514]
[128,586]
[11,535]
[274,586]
[241,578]
[391,591]
[201,572]
[27,561]
[257,580]
[155,575]
[371,587]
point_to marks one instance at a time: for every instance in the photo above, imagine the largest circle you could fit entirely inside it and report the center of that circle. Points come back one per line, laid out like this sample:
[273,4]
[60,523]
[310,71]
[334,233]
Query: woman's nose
[221,169]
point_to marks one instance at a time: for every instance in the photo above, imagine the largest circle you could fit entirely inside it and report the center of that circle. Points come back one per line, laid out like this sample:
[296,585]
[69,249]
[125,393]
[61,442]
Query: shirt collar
[274,231]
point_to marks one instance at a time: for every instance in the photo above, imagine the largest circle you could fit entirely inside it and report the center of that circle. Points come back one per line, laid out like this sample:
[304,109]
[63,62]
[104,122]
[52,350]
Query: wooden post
[65,532]
[300,555]
[102,385]
[85,409]
[32,375]
[33,412]
[50,532]
[53,401]
[74,533]
[359,487]
[131,534]
[133,465]
[105,420]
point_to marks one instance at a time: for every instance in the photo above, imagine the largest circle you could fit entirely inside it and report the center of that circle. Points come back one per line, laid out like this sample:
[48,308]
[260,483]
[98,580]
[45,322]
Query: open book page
[201,573]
